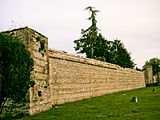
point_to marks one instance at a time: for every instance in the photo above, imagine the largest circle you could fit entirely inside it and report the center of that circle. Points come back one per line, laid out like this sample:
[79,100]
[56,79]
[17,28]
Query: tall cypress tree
[89,36]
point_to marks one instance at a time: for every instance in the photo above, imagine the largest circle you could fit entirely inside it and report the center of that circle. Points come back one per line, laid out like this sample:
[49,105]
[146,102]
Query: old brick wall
[60,77]
[40,93]
[73,78]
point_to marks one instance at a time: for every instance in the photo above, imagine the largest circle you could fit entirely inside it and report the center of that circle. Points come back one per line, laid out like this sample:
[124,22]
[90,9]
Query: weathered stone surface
[74,78]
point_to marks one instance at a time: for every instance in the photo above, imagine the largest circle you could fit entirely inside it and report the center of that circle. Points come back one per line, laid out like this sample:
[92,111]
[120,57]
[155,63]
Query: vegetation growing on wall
[95,46]
[16,65]
[42,48]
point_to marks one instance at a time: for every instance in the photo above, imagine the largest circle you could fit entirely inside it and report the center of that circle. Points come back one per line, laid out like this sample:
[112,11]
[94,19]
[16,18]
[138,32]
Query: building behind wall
[60,77]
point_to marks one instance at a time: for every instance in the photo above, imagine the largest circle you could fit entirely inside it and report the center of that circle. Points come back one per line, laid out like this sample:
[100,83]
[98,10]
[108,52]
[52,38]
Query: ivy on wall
[42,48]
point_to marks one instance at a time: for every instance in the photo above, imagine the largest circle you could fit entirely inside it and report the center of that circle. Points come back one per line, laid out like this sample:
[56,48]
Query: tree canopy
[95,46]
[16,65]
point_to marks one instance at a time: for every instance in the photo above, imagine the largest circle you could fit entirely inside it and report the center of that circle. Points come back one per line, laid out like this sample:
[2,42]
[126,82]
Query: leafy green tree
[112,52]
[100,48]
[95,46]
[155,63]
[16,65]
[119,55]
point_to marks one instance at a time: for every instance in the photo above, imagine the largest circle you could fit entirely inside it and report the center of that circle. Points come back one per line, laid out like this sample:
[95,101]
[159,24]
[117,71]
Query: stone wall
[73,78]
[60,77]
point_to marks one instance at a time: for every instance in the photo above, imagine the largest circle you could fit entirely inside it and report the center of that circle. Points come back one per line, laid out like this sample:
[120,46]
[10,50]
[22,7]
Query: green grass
[116,106]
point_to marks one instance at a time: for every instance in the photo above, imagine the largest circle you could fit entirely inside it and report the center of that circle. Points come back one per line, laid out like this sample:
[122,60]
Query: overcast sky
[135,22]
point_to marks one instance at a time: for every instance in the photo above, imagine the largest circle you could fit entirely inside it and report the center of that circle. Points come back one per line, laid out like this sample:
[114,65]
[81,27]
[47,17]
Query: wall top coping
[70,57]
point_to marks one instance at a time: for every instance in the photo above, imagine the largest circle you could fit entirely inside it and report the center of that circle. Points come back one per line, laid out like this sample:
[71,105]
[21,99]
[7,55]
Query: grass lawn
[116,106]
